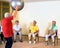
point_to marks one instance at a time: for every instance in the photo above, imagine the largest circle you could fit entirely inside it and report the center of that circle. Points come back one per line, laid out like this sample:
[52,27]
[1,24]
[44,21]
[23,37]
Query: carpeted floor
[25,44]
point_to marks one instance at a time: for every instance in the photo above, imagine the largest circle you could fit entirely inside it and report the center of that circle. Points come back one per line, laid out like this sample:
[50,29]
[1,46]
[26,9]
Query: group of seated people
[33,31]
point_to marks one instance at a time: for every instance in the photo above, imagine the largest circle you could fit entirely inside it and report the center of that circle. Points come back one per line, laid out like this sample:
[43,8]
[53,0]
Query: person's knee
[15,33]
[46,36]
[20,33]
[52,36]
[29,35]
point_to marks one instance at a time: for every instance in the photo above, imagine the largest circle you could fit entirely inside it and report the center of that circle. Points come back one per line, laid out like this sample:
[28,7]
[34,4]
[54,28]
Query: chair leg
[54,42]
[38,39]
[57,40]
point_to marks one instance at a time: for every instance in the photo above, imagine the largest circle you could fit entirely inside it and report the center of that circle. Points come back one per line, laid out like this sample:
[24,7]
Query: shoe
[34,42]
[21,41]
[30,42]
[14,41]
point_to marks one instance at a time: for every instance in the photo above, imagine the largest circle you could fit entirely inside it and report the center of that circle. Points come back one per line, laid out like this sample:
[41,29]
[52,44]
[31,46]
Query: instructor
[7,27]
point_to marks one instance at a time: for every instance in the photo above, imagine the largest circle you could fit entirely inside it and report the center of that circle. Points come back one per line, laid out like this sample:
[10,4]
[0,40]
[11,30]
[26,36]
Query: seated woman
[17,29]
[51,32]
[33,31]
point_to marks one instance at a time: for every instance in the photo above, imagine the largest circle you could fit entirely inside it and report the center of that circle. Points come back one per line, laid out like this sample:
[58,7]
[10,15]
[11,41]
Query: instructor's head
[6,15]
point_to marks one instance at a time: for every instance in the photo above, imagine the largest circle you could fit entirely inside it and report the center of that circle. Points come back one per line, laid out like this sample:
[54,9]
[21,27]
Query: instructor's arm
[14,13]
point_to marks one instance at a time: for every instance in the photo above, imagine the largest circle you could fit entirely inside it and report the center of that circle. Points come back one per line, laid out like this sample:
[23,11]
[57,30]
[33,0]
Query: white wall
[42,12]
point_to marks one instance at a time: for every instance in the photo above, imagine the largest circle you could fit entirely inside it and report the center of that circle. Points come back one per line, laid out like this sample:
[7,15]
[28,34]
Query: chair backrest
[37,35]
[56,32]
[17,33]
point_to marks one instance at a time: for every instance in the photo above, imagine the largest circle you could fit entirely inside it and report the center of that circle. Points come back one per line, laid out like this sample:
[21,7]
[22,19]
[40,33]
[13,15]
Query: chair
[37,37]
[25,37]
[17,33]
[55,38]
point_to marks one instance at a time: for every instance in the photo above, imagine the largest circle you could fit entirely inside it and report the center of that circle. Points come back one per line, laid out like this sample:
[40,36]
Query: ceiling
[32,0]
[39,0]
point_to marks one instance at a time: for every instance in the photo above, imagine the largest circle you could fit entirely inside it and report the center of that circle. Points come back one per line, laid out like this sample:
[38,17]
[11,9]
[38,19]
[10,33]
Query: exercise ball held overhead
[19,3]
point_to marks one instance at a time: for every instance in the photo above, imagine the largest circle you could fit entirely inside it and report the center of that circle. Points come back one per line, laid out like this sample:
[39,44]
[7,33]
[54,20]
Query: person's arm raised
[14,13]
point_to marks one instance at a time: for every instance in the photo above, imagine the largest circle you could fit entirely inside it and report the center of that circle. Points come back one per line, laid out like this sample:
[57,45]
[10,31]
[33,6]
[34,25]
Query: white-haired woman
[7,27]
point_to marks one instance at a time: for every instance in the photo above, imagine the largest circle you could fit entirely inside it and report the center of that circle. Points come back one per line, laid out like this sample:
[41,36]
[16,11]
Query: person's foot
[14,41]
[21,41]
[30,42]
[3,42]
[34,42]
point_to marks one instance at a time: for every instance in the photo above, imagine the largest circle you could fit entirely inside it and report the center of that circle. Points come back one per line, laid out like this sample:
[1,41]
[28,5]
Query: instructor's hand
[17,7]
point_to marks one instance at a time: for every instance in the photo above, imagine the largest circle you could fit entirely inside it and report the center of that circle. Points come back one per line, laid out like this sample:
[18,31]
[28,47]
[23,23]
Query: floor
[25,44]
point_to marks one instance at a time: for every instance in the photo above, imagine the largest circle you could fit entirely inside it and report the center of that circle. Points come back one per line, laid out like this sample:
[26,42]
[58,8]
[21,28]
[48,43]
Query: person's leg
[2,36]
[29,36]
[0,40]
[9,42]
[46,38]
[34,34]
[15,33]
[20,36]
[53,38]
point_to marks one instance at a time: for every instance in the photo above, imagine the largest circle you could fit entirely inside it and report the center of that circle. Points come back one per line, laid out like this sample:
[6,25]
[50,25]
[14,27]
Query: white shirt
[16,27]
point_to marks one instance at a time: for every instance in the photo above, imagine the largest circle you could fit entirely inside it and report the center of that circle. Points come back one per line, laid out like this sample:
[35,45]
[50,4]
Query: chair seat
[50,36]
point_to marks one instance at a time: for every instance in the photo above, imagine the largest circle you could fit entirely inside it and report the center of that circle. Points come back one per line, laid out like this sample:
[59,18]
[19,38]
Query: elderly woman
[33,31]
[7,28]
[51,32]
